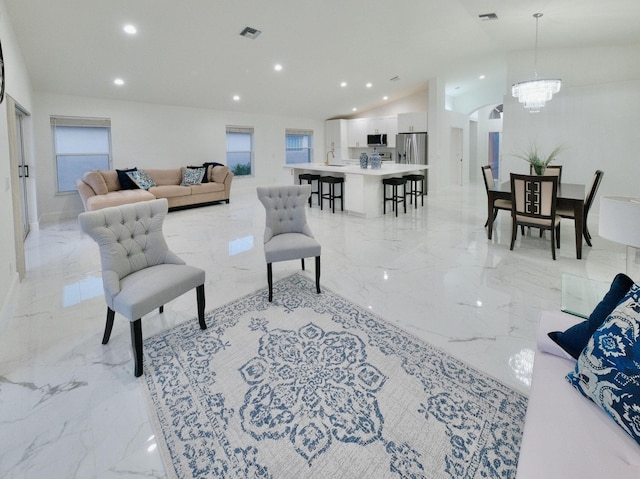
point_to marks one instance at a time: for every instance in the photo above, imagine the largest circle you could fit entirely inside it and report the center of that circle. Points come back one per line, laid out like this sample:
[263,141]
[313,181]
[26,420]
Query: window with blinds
[240,150]
[299,146]
[79,145]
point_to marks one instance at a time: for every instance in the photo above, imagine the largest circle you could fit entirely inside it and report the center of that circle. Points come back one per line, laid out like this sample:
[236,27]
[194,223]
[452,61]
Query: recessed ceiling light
[369,85]
[277,67]
[343,84]
[385,97]
[236,97]
[118,81]
[354,109]
[130,29]
[482,77]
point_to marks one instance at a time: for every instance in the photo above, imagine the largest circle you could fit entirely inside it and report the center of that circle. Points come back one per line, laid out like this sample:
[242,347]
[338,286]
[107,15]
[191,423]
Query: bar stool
[332,181]
[414,189]
[310,177]
[395,197]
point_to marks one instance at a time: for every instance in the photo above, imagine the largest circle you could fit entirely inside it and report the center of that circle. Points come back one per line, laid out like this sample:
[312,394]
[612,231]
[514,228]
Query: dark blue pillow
[126,183]
[574,339]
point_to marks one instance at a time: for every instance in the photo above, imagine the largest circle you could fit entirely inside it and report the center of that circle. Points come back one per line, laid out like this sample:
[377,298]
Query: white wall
[596,115]
[18,86]
[160,136]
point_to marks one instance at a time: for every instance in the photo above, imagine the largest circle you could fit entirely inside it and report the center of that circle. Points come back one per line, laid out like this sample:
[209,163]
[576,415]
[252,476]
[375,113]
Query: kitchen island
[363,187]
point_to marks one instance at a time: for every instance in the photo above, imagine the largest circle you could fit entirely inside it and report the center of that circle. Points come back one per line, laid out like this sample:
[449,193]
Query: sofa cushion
[574,339]
[126,183]
[117,198]
[192,176]
[169,191]
[96,181]
[142,179]
[219,173]
[210,165]
[171,176]
[204,188]
[608,369]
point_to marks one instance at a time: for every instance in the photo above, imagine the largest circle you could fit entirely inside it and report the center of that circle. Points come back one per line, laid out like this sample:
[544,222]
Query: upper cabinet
[358,132]
[392,131]
[412,122]
[359,128]
[335,138]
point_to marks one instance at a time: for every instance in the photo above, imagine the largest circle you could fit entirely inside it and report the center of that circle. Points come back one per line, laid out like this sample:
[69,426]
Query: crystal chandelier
[535,93]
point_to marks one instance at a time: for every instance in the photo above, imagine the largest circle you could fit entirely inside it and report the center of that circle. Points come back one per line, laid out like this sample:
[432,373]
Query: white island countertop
[388,168]
[363,190]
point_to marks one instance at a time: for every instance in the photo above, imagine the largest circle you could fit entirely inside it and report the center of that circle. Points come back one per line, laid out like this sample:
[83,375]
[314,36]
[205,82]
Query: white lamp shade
[619,220]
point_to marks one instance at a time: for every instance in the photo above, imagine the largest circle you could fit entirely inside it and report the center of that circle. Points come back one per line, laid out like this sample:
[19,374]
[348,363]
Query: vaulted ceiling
[190,52]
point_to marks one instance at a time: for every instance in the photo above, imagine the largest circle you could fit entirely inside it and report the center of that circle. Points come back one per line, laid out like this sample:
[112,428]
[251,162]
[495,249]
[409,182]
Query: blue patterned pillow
[608,370]
[142,179]
[192,176]
[574,339]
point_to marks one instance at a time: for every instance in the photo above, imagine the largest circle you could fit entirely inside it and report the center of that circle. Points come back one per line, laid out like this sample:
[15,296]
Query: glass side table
[581,295]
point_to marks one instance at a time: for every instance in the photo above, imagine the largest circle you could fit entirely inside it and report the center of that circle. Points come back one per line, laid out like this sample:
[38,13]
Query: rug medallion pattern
[313,386]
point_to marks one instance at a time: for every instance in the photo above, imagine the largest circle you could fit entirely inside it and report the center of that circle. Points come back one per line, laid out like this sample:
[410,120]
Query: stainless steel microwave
[377,140]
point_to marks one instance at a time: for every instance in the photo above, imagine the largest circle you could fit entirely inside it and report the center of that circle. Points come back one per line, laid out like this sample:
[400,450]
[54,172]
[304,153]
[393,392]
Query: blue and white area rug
[313,386]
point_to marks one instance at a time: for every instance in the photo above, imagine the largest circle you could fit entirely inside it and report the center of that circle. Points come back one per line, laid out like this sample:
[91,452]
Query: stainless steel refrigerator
[411,148]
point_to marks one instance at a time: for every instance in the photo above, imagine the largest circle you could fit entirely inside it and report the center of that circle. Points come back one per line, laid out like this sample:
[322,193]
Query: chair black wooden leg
[302,259]
[136,344]
[201,303]
[514,232]
[161,309]
[270,281]
[318,274]
[109,326]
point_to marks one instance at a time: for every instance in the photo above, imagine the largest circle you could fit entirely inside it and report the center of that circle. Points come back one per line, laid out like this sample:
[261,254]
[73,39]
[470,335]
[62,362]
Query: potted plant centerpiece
[538,161]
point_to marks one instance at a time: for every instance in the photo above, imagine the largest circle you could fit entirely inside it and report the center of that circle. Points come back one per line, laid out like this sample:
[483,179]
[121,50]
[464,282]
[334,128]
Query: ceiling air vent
[251,33]
[485,17]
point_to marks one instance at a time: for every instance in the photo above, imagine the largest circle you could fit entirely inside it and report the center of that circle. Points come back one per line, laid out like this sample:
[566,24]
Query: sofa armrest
[85,192]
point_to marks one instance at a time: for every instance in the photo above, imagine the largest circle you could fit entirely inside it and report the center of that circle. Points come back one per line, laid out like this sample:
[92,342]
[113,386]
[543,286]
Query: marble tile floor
[71,407]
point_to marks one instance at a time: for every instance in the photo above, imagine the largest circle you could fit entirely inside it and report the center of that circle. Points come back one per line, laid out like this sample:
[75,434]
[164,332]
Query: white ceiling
[190,53]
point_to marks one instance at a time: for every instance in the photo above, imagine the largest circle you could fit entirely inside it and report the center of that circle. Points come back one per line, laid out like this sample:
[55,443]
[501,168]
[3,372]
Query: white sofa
[567,436]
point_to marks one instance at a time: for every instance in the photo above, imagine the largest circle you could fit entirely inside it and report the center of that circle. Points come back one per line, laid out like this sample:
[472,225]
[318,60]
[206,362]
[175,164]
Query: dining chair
[534,201]
[591,194]
[287,235]
[489,183]
[139,272]
[550,170]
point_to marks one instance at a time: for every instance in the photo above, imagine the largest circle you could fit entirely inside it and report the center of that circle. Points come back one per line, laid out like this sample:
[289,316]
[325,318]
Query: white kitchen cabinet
[377,126]
[358,132]
[336,133]
[392,131]
[412,122]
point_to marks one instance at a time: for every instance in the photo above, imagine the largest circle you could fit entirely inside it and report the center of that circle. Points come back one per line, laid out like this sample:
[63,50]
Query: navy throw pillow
[574,339]
[205,178]
[126,183]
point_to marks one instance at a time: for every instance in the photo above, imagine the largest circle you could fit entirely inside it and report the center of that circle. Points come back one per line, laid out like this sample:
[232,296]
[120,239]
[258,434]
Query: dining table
[570,195]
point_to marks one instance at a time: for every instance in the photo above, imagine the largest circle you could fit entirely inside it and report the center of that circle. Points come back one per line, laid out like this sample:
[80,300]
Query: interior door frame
[16,197]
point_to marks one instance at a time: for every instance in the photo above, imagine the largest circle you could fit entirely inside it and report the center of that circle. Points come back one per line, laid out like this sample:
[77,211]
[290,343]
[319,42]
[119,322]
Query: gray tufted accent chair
[287,235]
[139,272]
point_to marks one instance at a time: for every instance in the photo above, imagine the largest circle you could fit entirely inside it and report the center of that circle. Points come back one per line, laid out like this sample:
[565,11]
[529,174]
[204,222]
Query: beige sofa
[101,188]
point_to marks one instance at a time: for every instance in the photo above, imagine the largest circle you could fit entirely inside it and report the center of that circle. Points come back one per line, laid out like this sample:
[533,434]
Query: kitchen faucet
[332,155]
